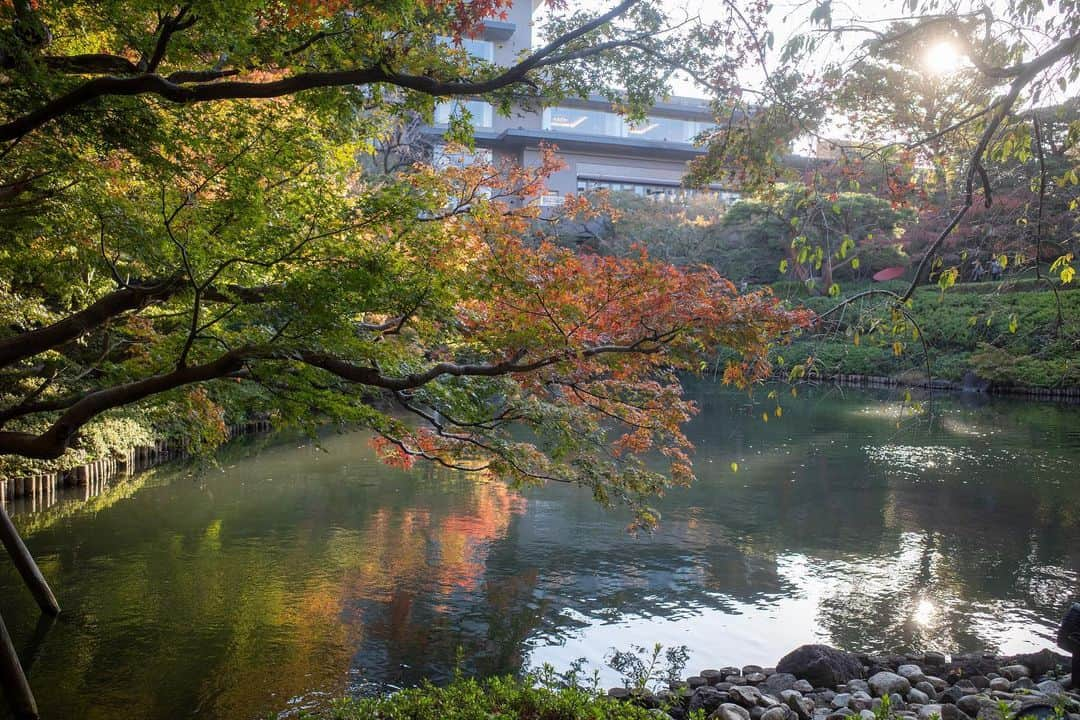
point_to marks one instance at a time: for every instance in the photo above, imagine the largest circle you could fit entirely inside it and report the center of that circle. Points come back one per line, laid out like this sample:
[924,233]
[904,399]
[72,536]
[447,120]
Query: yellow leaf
[765,417]
[1067,274]
[734,467]
[857,339]
[779,411]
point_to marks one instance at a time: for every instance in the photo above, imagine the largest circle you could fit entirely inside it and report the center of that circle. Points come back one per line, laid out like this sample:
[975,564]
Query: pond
[289,575]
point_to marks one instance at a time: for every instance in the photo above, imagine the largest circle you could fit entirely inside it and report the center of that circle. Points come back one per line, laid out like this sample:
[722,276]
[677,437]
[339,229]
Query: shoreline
[817,682]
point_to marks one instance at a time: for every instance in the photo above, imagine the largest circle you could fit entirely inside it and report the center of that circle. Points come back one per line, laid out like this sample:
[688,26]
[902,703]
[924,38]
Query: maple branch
[180,88]
[54,441]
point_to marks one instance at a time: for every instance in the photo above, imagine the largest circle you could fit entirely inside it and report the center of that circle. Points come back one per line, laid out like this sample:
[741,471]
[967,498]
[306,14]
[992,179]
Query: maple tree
[192,235]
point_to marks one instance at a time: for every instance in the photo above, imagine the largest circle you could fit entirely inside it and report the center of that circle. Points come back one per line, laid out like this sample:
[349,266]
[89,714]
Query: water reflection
[293,575]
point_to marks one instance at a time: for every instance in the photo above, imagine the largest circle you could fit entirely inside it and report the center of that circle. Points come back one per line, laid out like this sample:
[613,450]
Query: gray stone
[707,698]
[755,678]
[780,712]
[857,684]
[915,695]
[841,713]
[756,712]
[860,701]
[821,665]
[840,700]
[937,682]
[712,676]
[1015,672]
[1023,683]
[867,715]
[951,712]
[951,695]
[926,687]
[1000,683]
[745,695]
[896,702]
[935,658]
[747,669]
[695,681]
[913,673]
[730,711]
[803,707]
[886,683]
[802,686]
[776,684]
[1051,687]
[928,711]
[971,704]
[980,681]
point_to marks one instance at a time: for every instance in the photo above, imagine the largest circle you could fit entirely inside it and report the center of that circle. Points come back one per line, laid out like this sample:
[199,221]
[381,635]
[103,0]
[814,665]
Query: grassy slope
[967,328]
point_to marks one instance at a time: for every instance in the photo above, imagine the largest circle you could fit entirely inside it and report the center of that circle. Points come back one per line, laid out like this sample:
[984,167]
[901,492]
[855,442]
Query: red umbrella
[889,274]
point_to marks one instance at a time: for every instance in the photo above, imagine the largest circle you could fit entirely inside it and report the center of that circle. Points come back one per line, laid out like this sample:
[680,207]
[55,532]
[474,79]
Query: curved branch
[171,88]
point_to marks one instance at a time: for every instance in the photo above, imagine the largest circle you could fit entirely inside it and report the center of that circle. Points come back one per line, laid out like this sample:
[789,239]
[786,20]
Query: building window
[442,157]
[480,111]
[479,49]
[655,190]
[609,124]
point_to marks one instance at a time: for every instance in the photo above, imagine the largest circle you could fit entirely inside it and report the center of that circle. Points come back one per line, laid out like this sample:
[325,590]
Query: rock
[913,673]
[803,707]
[1037,664]
[886,683]
[980,681]
[778,683]
[756,712]
[895,702]
[928,711]
[857,685]
[935,659]
[1001,684]
[867,715]
[802,686]
[926,687]
[619,693]
[915,695]
[755,678]
[708,699]
[1024,683]
[1051,687]
[971,704]
[951,695]
[1015,672]
[747,669]
[966,685]
[952,712]
[821,665]
[780,712]
[937,682]
[860,701]
[725,671]
[745,695]
[712,677]
[840,700]
[839,714]
[696,681]
[730,711]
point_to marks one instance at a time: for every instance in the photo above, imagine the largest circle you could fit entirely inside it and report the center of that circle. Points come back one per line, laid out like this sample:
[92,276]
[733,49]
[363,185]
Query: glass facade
[609,124]
[654,190]
[479,49]
[480,111]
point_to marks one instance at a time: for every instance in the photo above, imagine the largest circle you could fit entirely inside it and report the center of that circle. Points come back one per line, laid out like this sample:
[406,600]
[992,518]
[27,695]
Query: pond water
[289,575]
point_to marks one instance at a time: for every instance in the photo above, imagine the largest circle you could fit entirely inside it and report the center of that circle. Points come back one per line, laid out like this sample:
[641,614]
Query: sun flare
[943,58]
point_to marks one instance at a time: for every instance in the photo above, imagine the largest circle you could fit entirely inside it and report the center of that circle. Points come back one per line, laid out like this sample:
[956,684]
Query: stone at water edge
[927,711]
[917,696]
[913,673]
[886,683]
[708,699]
[821,665]
[745,695]
[778,683]
[731,711]
[1051,687]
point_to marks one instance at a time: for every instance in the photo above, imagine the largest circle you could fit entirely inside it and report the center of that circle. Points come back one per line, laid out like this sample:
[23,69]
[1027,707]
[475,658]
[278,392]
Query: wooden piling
[24,563]
[16,687]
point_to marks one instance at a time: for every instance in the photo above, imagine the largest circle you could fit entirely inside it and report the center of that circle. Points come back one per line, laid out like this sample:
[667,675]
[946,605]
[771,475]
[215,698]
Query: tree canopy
[190,234]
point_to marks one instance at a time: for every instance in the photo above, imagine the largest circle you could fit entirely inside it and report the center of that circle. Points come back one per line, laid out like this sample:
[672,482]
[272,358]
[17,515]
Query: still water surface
[289,575]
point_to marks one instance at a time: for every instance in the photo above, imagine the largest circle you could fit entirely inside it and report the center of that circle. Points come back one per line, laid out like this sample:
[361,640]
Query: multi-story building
[600,148]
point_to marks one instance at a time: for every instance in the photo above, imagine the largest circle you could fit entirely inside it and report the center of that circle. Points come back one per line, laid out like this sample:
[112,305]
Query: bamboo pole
[16,687]
[24,563]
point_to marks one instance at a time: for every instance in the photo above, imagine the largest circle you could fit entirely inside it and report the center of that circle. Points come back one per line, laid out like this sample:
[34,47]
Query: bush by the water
[1008,338]
[491,699]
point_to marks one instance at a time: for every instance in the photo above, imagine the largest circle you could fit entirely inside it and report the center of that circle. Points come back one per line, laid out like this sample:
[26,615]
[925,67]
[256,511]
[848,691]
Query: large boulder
[887,683]
[821,665]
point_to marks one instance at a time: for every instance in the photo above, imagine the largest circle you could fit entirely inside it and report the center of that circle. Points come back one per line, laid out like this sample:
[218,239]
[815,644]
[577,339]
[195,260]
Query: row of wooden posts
[42,488]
